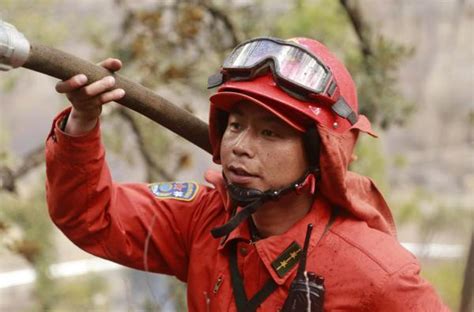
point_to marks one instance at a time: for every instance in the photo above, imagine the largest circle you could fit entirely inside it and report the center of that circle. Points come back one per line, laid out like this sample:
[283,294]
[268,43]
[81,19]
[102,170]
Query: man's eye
[268,133]
[234,125]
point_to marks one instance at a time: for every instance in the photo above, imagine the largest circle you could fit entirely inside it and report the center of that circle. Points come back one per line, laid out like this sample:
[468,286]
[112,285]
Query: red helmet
[297,112]
[338,125]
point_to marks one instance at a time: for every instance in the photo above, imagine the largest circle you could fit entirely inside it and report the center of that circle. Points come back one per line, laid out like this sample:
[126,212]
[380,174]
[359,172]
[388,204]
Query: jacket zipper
[218,284]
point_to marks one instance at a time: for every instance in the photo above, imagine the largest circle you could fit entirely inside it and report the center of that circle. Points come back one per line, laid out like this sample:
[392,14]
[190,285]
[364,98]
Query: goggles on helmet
[295,69]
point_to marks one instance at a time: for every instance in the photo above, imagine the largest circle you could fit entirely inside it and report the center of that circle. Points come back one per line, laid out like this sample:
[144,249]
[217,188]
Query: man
[283,125]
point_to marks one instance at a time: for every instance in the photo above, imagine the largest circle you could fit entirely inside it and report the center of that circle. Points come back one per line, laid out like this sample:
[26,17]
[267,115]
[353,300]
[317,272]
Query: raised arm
[125,223]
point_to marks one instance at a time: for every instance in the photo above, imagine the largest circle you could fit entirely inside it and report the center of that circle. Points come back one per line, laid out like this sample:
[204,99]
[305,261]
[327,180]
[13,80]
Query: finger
[113,95]
[111,64]
[103,98]
[71,84]
[95,89]
[91,103]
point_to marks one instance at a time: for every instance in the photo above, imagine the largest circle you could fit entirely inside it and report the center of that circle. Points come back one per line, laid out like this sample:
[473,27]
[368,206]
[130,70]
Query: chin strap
[252,199]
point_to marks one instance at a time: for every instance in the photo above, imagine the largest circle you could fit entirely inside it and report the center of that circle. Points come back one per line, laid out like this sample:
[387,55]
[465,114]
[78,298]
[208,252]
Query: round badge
[165,187]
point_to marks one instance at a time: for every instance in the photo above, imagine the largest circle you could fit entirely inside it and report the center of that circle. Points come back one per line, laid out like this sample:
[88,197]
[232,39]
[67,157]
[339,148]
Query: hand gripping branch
[17,51]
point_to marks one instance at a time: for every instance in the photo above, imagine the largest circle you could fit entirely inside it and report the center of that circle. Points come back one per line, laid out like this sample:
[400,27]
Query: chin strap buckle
[309,182]
[252,199]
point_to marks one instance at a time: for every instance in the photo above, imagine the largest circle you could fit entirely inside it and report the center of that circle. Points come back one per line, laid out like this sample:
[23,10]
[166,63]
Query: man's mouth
[240,175]
[240,171]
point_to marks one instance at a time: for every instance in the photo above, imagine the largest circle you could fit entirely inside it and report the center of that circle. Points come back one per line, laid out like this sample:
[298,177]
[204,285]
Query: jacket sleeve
[125,223]
[406,290]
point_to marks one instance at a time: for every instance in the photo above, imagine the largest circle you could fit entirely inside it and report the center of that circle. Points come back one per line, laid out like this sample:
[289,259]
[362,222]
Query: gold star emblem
[282,265]
[294,253]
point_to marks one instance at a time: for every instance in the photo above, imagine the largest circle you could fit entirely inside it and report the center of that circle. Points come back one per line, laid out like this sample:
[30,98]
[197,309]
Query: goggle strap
[331,88]
[215,80]
[342,109]
[293,94]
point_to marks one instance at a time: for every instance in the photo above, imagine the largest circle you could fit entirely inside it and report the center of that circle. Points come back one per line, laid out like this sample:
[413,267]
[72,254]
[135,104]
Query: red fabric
[365,269]
[348,190]
[227,100]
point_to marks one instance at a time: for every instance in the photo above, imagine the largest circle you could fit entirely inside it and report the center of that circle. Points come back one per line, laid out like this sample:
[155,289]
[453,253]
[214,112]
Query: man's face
[260,151]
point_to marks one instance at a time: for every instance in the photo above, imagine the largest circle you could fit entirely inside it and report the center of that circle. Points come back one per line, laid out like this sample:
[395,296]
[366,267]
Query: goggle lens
[296,70]
[290,62]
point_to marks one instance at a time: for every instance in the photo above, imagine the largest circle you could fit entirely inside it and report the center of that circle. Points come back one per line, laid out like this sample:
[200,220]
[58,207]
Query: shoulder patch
[185,191]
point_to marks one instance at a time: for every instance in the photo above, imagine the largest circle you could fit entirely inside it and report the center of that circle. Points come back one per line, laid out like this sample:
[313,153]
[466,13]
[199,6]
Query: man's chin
[252,186]
[243,180]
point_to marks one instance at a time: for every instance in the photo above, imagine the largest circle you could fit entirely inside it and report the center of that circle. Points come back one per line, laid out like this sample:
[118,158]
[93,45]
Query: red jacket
[364,269]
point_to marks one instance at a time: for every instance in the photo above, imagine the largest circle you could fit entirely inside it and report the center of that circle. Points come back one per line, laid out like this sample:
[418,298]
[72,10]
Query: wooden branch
[224,18]
[62,65]
[360,27]
[151,165]
[9,176]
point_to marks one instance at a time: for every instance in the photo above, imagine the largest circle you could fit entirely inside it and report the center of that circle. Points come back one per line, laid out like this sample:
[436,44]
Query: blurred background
[413,62]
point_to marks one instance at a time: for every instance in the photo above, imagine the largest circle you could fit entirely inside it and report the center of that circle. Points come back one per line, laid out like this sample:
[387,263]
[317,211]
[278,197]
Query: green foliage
[441,218]
[30,217]
[179,293]
[156,140]
[5,157]
[84,293]
[29,235]
[27,231]
[471,117]
[400,161]
[433,218]
[375,75]
[376,78]
[323,20]
[29,18]
[114,141]
[29,214]
[431,214]
[371,161]
[408,210]
[7,84]
[251,20]
[164,44]
[447,278]
[149,306]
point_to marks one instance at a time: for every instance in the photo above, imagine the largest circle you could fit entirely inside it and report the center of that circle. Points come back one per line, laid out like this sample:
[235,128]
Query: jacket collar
[270,249]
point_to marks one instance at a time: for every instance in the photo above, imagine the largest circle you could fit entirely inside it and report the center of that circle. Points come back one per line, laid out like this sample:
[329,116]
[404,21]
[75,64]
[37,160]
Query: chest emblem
[185,191]
[287,259]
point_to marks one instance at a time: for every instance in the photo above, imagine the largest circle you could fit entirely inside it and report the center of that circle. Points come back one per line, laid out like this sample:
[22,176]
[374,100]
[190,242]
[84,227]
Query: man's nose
[244,145]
